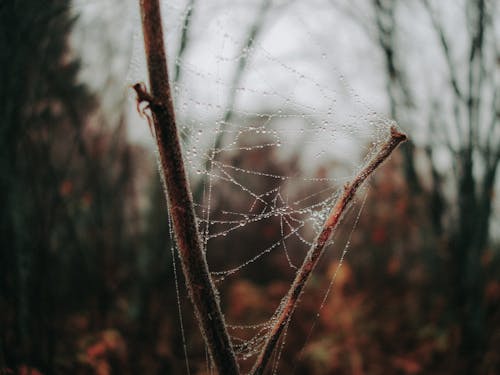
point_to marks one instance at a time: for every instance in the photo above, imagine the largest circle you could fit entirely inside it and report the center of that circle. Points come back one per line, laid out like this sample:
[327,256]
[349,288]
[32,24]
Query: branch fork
[292,299]
[202,291]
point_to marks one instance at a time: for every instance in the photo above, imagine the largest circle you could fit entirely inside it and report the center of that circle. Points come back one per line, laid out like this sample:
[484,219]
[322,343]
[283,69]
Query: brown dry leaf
[66,188]
[244,297]
[492,291]
[393,266]
[26,370]
[344,273]
[408,365]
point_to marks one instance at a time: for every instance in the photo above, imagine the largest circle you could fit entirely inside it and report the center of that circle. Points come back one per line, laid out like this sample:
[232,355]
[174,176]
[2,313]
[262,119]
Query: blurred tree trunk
[400,97]
[38,77]
[252,36]
[477,146]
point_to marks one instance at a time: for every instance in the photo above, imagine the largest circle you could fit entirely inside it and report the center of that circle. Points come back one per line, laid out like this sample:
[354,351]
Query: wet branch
[314,253]
[199,284]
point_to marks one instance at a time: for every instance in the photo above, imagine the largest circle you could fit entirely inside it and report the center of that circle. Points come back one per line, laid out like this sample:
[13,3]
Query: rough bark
[200,286]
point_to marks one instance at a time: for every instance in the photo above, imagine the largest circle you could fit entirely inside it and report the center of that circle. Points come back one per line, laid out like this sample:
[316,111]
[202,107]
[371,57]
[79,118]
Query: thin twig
[184,40]
[459,97]
[318,247]
[245,52]
[199,284]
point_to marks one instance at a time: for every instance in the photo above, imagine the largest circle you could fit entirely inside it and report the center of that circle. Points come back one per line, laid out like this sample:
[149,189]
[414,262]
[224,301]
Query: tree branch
[184,40]
[199,284]
[314,253]
[459,96]
[253,34]
[446,51]
[398,90]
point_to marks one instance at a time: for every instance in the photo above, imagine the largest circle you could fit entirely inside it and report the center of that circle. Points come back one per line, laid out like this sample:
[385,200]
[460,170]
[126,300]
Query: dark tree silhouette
[62,186]
[40,98]
[467,132]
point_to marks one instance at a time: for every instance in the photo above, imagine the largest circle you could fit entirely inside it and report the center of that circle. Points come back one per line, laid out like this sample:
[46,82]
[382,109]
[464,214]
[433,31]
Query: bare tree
[469,131]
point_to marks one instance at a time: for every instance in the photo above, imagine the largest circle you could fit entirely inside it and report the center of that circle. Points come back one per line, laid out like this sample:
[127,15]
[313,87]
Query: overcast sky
[316,61]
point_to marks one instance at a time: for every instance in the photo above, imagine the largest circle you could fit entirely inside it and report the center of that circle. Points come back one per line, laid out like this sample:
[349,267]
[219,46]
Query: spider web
[272,126]
[277,105]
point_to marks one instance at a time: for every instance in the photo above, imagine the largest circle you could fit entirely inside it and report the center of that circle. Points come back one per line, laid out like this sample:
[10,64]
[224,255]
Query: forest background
[86,269]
